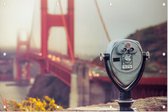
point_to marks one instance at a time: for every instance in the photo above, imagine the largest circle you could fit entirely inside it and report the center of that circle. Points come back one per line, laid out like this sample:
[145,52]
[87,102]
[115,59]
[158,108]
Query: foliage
[33,104]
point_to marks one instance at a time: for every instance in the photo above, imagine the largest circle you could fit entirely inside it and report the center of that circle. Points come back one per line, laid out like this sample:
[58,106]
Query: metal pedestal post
[125,101]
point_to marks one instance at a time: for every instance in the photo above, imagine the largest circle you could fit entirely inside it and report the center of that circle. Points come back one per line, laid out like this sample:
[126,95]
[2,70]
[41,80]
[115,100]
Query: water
[10,91]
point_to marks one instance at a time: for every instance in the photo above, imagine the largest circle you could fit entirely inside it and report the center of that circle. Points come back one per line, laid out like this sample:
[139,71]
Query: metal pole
[125,101]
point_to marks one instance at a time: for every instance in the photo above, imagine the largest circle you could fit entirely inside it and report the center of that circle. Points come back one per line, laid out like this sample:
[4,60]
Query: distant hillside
[154,40]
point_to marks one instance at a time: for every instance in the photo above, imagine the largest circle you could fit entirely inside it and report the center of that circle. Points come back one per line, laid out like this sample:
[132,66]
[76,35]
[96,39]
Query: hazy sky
[122,17]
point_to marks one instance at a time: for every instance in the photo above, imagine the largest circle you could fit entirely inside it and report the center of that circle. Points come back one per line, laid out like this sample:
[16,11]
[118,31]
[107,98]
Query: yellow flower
[34,104]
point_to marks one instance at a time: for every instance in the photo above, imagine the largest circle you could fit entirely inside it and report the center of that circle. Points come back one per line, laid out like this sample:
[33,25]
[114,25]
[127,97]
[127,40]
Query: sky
[121,17]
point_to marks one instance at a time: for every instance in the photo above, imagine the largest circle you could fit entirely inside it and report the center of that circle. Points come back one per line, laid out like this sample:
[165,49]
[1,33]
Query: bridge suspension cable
[32,29]
[66,30]
[102,22]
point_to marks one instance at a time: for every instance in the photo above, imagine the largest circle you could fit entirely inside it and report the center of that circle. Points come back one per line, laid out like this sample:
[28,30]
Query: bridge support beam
[80,86]
[74,97]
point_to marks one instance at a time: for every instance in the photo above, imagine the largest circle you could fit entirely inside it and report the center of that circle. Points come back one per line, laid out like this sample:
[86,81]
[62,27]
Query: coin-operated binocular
[125,63]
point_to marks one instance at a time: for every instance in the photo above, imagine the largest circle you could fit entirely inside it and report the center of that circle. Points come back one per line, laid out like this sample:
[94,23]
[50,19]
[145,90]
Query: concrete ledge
[146,104]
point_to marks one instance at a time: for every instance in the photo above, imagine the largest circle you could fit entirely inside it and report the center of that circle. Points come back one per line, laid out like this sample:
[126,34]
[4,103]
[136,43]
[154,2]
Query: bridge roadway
[62,67]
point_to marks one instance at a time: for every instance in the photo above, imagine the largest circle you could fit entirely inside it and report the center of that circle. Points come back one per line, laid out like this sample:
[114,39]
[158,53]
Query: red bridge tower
[61,20]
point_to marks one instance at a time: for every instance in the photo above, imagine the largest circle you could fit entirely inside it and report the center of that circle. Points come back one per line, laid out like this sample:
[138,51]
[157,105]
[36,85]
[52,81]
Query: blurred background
[52,47]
